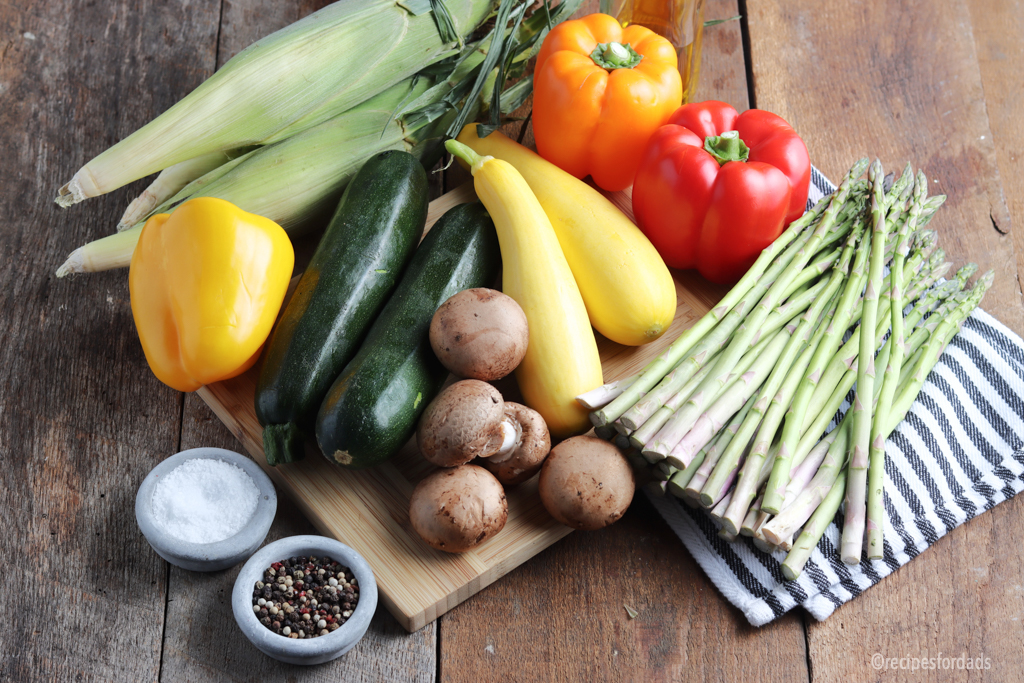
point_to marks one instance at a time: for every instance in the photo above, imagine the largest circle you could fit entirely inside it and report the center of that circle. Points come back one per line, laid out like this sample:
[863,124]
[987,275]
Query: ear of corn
[170,181]
[297,181]
[297,77]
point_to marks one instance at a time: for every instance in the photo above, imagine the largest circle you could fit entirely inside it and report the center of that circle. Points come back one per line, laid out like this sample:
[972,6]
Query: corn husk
[298,181]
[170,181]
[292,80]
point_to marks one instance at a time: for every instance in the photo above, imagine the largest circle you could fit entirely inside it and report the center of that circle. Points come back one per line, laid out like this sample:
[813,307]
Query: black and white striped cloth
[958,453]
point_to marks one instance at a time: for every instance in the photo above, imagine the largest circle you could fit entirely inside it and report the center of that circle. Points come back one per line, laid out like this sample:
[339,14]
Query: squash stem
[466,153]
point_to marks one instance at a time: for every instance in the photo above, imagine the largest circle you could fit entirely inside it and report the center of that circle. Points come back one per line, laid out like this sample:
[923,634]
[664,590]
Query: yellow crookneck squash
[561,360]
[629,293]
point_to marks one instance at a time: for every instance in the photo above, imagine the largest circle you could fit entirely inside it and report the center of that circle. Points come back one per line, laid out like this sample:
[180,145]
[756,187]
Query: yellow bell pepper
[207,282]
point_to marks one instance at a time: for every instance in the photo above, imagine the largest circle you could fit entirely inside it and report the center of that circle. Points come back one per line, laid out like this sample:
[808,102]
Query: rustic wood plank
[901,81]
[870,81]
[561,616]
[723,73]
[999,41]
[82,420]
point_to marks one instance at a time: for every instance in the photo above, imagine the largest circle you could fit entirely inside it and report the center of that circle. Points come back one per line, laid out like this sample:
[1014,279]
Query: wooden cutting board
[368,509]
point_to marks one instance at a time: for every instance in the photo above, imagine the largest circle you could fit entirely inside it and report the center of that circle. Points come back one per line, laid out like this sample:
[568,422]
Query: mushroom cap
[534,446]
[586,483]
[480,333]
[462,423]
[457,509]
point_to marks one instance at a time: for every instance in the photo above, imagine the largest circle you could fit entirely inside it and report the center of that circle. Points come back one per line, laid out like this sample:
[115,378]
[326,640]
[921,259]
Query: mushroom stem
[511,433]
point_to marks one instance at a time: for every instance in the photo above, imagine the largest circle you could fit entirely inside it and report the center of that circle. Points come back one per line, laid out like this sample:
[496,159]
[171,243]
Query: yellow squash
[207,282]
[561,360]
[628,290]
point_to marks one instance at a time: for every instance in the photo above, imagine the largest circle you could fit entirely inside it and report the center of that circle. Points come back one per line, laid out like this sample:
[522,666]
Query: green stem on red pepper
[726,147]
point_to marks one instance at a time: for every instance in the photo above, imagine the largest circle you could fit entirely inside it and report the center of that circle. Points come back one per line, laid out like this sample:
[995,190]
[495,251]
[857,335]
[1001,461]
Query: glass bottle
[680,21]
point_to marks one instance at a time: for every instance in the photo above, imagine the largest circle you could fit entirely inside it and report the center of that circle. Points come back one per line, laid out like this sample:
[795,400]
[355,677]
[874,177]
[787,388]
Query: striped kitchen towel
[958,453]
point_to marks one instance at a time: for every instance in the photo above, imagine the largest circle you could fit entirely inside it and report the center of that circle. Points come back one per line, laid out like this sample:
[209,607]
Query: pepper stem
[466,153]
[615,56]
[726,147]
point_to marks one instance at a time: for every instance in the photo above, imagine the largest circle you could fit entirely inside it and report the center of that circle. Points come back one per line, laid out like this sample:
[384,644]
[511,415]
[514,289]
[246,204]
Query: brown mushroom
[479,333]
[534,444]
[457,509]
[586,483]
[465,421]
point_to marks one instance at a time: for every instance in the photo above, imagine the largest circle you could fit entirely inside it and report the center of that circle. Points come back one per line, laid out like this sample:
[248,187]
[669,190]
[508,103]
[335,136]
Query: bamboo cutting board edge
[367,509]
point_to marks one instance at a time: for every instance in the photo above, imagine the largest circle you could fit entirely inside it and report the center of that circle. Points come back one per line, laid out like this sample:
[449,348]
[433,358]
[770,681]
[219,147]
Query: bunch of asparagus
[733,415]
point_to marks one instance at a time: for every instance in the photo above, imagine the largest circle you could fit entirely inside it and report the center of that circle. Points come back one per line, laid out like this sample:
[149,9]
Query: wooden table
[82,421]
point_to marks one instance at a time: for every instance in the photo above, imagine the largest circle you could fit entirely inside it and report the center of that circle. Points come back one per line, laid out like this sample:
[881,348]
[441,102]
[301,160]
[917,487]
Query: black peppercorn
[309,607]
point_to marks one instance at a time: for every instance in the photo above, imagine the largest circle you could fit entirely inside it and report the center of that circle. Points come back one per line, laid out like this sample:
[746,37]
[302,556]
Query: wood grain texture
[901,81]
[868,80]
[561,616]
[999,42]
[80,423]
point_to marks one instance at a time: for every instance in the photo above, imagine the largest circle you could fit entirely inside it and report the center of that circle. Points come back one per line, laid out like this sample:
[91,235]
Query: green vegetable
[373,406]
[283,83]
[297,175]
[356,266]
[800,474]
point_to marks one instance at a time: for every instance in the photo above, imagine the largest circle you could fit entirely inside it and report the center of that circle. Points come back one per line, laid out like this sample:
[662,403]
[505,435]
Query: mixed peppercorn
[305,597]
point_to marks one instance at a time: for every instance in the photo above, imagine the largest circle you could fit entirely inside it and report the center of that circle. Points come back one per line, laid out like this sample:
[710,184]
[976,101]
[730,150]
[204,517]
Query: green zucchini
[356,266]
[373,406]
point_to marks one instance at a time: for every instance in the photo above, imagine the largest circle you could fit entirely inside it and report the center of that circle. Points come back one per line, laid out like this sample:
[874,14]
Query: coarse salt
[204,500]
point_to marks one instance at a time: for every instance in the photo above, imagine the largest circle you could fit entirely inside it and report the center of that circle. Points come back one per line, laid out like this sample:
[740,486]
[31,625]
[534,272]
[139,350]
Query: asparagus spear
[737,393]
[800,341]
[604,394]
[824,351]
[876,455]
[646,432]
[856,482]
[816,421]
[711,345]
[778,254]
[944,331]
[724,440]
[793,255]
[845,358]
[706,394]
[803,472]
[784,524]
[677,484]
[797,558]
[886,213]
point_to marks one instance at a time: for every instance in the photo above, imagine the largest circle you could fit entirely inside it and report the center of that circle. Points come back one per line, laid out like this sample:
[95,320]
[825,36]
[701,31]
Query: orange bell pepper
[600,91]
[206,283]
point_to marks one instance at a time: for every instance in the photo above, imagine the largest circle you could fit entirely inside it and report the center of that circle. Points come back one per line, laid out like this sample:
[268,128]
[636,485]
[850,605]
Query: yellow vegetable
[561,359]
[628,290]
[206,284]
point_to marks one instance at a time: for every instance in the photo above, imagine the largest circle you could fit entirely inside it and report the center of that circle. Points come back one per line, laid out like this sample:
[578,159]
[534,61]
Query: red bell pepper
[715,187]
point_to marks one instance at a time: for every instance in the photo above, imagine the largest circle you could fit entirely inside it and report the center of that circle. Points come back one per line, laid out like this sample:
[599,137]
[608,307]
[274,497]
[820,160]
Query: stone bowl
[207,557]
[310,650]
